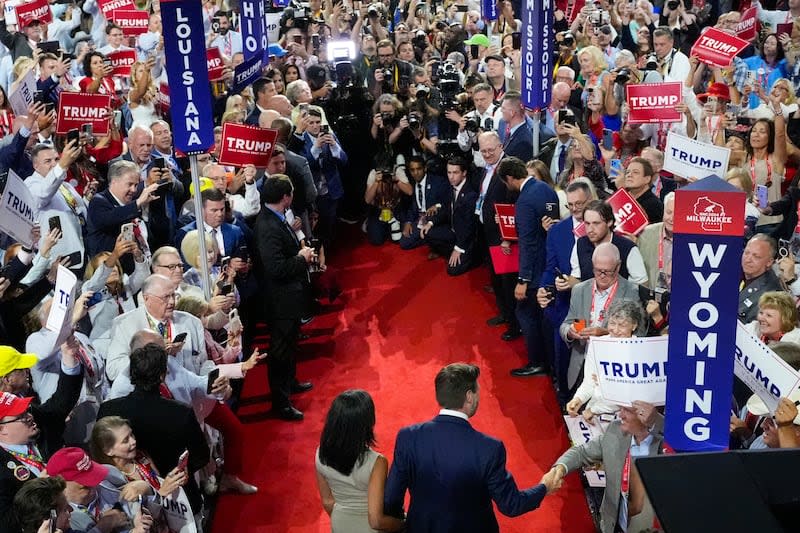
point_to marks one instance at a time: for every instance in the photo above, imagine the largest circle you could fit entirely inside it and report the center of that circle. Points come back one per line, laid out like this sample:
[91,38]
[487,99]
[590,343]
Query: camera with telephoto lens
[373,12]
[568,39]
[651,63]
[421,92]
[387,119]
[673,5]
[623,75]
[449,85]
[414,122]
[472,124]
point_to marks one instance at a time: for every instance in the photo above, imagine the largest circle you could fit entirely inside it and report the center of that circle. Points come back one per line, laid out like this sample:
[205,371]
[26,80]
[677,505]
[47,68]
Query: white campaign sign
[17,213]
[173,511]
[762,370]
[581,432]
[60,317]
[688,158]
[631,369]
[23,93]
[273,26]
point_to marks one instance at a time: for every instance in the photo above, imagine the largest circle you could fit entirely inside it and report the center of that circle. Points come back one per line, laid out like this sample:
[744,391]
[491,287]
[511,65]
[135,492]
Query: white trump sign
[688,158]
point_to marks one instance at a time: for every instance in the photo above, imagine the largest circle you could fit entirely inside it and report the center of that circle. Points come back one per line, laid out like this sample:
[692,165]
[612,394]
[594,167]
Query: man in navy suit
[535,201]
[228,237]
[115,206]
[428,193]
[451,232]
[561,238]
[515,132]
[452,471]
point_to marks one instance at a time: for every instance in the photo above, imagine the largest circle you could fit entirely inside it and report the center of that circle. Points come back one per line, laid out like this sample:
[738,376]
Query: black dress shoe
[288,413]
[511,334]
[530,370]
[496,321]
[300,386]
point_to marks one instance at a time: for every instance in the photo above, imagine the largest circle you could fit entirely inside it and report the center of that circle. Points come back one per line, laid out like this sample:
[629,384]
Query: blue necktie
[562,158]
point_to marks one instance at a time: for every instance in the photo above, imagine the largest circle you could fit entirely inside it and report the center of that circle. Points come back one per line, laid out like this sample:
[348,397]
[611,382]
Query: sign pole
[537,122]
[198,216]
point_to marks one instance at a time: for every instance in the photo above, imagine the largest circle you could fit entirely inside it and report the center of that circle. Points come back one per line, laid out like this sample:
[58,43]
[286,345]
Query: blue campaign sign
[254,32]
[537,43]
[187,72]
[706,270]
[246,73]
[489,9]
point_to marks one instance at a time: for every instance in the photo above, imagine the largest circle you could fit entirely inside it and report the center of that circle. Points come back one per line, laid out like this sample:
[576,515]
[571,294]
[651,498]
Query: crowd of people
[406,118]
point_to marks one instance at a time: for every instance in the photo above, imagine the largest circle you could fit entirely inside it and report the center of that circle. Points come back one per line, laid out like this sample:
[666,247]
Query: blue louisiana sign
[187,72]
[255,41]
[706,270]
[537,53]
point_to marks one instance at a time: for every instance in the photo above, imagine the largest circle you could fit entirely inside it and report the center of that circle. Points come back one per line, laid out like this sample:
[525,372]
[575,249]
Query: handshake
[554,478]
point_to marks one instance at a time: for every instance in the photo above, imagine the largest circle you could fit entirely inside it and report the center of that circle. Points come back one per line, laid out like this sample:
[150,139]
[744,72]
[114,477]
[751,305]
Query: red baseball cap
[74,465]
[13,405]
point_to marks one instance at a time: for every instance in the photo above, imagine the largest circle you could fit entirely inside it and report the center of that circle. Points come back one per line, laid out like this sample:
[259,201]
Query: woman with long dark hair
[350,474]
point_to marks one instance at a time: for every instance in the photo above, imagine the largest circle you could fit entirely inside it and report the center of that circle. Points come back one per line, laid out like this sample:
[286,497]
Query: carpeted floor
[398,321]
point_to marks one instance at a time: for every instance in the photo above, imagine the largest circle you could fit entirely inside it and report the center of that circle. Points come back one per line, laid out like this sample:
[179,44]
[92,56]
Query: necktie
[214,237]
[420,197]
[562,158]
[163,390]
[162,329]
[508,134]
[453,206]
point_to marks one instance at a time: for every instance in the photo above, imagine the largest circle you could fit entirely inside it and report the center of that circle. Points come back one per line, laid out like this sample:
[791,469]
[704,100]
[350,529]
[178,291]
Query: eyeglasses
[25,418]
[576,205]
[604,273]
[171,268]
[386,56]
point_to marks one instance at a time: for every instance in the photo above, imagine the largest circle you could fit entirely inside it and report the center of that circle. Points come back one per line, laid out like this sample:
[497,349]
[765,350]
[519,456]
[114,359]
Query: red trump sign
[653,102]
[121,62]
[36,10]
[748,25]
[717,48]
[108,7]
[77,109]
[215,64]
[629,215]
[507,223]
[132,21]
[246,145]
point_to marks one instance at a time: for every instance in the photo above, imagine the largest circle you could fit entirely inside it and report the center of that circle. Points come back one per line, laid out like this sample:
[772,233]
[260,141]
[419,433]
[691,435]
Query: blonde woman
[593,69]
[142,95]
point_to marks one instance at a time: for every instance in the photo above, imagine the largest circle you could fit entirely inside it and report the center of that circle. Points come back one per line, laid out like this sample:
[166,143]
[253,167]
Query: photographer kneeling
[386,186]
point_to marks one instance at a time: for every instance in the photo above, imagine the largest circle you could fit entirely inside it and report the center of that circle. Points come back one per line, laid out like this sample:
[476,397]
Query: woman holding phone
[98,78]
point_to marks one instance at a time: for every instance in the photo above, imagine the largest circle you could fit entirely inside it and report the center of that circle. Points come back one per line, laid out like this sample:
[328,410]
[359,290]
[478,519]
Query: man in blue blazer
[229,238]
[553,294]
[452,471]
[429,191]
[514,130]
[536,199]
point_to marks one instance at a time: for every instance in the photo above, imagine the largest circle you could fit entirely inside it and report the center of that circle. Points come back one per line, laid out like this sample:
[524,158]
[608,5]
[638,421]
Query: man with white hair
[182,332]
[589,304]
[562,92]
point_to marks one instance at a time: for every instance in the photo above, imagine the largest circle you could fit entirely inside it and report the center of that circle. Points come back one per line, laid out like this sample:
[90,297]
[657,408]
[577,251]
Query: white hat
[757,406]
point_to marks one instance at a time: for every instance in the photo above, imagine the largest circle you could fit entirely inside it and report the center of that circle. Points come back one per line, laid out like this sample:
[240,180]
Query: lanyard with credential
[602,313]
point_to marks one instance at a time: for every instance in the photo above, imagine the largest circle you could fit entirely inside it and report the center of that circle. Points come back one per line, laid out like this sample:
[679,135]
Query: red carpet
[399,320]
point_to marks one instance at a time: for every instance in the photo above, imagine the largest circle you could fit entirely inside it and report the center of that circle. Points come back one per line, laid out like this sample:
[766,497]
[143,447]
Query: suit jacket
[750,294]
[520,144]
[459,215]
[558,247]
[105,218]
[283,272]
[611,449]
[580,308]
[232,236]
[496,193]
[193,356]
[164,429]
[648,246]
[437,191]
[453,474]
[528,213]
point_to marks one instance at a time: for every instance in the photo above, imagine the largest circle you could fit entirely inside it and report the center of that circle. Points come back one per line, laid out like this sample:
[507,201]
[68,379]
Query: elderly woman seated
[624,318]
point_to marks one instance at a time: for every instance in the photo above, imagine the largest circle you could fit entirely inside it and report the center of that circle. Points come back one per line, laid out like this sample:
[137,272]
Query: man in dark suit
[452,471]
[535,201]
[264,89]
[515,132]
[228,237]
[492,191]
[428,192]
[451,232]
[638,179]
[757,259]
[660,185]
[284,273]
[115,206]
[162,426]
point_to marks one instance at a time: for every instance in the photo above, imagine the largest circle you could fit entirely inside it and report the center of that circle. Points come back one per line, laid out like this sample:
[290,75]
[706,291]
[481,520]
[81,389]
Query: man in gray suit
[639,432]
[158,314]
[589,304]
[757,259]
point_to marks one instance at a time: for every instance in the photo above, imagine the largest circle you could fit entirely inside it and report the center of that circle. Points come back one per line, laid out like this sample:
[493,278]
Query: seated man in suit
[514,130]
[118,205]
[451,231]
[639,432]
[757,259]
[229,238]
[589,303]
[157,313]
[452,471]
[428,192]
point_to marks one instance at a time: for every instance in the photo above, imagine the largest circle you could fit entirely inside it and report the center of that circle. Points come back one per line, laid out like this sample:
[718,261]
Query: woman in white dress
[350,474]
[141,97]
